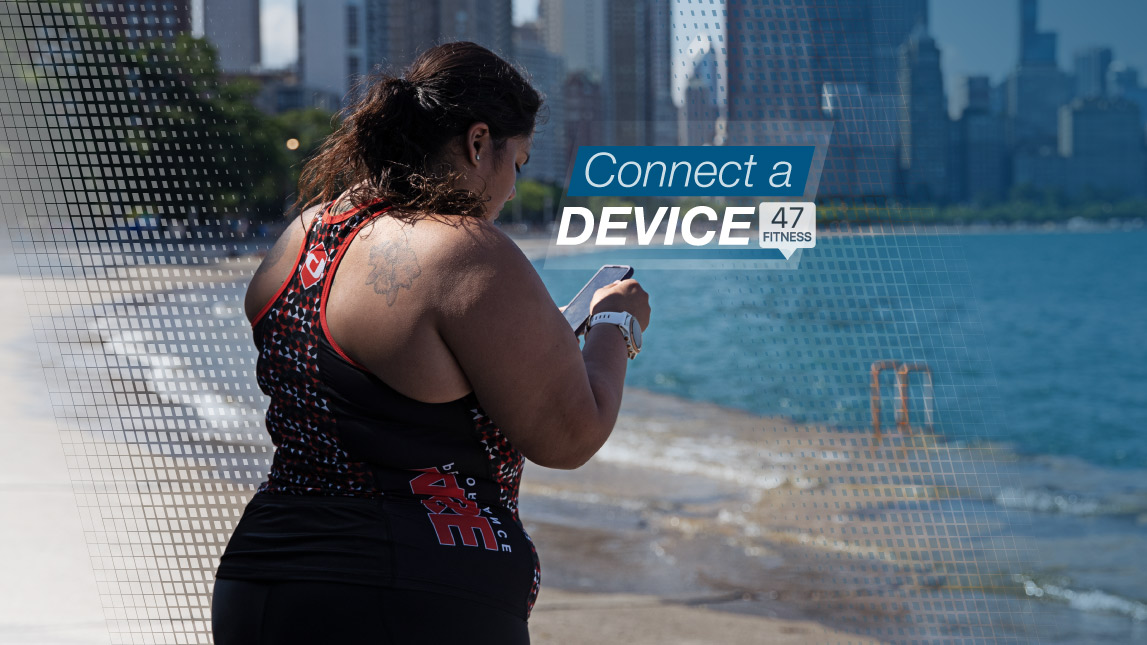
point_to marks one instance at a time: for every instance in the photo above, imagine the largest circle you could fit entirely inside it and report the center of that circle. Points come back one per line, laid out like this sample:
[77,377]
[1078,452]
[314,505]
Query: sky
[981,36]
[975,36]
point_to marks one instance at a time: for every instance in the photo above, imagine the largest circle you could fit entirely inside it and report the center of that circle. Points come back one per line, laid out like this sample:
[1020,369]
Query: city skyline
[886,62]
[976,37]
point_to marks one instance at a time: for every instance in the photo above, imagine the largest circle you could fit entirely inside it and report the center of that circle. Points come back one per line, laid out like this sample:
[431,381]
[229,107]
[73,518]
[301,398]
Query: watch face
[635,332]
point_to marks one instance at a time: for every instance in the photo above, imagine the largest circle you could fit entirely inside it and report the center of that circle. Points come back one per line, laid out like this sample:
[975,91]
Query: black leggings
[312,613]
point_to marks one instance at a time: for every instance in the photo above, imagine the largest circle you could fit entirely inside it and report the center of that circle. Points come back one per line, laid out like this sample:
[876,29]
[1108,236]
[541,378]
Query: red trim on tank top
[295,267]
[335,219]
[328,280]
[291,275]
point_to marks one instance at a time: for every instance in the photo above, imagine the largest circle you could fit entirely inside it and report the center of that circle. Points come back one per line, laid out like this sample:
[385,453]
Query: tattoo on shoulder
[394,266]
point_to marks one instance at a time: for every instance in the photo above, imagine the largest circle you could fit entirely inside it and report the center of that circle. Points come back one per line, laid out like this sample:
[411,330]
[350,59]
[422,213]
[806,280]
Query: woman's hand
[622,295]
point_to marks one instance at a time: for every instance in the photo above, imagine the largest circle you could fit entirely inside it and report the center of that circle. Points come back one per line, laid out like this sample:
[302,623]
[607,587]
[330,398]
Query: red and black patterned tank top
[367,485]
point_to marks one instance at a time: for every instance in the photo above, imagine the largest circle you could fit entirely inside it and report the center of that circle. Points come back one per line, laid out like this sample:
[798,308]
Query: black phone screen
[577,311]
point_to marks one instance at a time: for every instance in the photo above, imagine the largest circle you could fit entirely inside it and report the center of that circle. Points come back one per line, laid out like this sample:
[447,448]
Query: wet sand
[581,618]
[695,524]
[773,541]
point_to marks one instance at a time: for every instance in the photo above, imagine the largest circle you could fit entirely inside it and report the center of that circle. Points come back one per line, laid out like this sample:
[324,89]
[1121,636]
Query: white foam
[719,458]
[1048,501]
[169,376]
[1094,600]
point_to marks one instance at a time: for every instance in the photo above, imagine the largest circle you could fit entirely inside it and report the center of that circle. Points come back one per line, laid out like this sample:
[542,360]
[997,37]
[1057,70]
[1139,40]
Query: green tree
[308,128]
[169,138]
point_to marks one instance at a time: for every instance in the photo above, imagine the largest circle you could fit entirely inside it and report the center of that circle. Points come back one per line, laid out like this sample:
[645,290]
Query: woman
[407,388]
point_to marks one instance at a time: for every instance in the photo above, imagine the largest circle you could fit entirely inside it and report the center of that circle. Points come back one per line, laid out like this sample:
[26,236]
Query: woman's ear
[477,141]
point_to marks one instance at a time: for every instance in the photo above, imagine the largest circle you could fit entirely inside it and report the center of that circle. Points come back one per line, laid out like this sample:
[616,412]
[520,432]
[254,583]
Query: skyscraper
[662,128]
[780,56]
[584,120]
[1037,87]
[970,93]
[1121,78]
[1123,82]
[342,39]
[401,29]
[1091,66]
[1101,152]
[787,58]
[546,73]
[891,22]
[575,30]
[331,44]
[639,108]
[701,110]
[769,62]
[981,170]
[141,20]
[232,26]
[1103,139]
[979,160]
[924,122]
[862,159]
[486,22]
[1036,46]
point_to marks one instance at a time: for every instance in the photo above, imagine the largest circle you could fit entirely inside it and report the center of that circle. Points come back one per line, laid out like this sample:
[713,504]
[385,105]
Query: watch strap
[612,317]
[623,320]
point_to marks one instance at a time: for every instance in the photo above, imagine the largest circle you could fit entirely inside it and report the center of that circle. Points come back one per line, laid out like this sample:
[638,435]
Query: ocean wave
[170,377]
[719,458]
[1044,500]
[1093,600]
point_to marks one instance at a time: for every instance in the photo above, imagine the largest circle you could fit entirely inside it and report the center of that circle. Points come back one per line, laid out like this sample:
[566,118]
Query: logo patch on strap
[313,266]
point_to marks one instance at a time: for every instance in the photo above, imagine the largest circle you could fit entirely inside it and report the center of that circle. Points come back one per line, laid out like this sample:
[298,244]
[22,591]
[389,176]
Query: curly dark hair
[391,141]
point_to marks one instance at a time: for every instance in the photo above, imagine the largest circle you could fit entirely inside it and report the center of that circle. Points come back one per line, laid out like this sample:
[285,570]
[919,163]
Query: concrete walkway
[48,591]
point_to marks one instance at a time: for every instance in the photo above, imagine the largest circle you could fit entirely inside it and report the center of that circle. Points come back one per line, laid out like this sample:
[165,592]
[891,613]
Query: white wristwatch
[629,326]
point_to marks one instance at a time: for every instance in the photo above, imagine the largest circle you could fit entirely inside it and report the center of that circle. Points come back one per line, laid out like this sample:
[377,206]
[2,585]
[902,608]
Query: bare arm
[276,264]
[557,404]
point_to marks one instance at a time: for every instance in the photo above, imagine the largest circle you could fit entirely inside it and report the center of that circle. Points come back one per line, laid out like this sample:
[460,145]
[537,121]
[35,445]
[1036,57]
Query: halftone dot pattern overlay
[895,538]
[150,366]
[139,325]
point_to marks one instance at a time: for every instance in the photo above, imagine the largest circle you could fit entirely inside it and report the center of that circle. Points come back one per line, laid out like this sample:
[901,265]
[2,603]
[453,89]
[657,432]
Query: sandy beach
[83,511]
[133,402]
[131,397]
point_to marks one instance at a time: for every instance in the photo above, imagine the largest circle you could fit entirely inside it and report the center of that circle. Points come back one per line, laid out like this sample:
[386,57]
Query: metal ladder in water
[902,370]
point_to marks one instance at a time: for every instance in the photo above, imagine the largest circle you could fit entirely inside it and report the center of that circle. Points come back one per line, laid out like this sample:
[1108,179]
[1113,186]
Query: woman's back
[411,473]
[414,360]
[385,297]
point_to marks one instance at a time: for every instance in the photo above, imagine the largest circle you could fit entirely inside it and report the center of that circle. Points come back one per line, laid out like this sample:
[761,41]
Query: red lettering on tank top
[469,528]
[448,508]
[460,506]
[433,482]
[313,266]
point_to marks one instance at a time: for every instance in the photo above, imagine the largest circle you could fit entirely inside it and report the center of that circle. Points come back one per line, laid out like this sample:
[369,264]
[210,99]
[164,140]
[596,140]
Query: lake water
[1037,343]
[1034,341]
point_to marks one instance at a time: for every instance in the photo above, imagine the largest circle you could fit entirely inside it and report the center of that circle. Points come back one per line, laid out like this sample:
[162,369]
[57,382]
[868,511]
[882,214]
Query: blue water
[1065,322]
[1036,340]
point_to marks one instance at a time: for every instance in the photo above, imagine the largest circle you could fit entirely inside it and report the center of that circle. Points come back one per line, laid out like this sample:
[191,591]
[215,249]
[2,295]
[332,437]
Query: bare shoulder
[276,263]
[473,240]
[472,252]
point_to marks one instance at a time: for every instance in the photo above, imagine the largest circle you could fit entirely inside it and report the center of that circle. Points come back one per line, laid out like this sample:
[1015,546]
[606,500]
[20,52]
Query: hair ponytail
[392,140]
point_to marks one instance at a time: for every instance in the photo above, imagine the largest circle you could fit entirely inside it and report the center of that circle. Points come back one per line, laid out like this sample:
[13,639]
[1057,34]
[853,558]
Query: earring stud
[477,158]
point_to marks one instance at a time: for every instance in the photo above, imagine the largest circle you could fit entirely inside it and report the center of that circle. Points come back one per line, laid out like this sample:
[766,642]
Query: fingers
[623,295]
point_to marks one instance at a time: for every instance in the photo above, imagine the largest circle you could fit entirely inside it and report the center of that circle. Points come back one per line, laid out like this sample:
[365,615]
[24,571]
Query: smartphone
[577,311]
